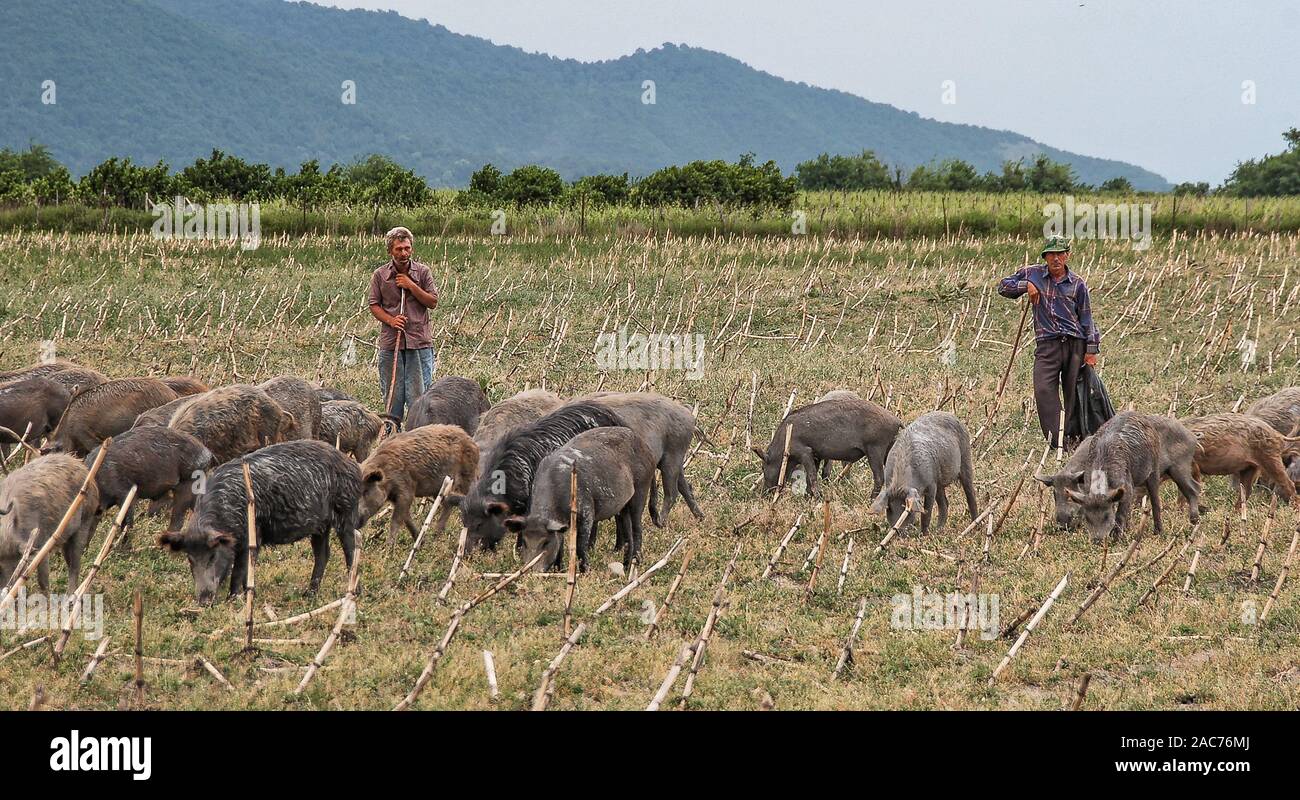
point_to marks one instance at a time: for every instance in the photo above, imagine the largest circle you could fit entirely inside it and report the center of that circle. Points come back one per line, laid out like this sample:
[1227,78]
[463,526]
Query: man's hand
[1090,359]
[398,321]
[405,282]
[1034,294]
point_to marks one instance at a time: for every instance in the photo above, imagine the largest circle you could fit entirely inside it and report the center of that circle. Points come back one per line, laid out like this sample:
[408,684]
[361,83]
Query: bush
[843,173]
[532,185]
[610,190]
[706,182]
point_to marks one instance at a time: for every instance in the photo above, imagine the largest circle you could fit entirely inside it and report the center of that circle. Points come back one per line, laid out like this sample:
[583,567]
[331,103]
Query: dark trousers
[1057,362]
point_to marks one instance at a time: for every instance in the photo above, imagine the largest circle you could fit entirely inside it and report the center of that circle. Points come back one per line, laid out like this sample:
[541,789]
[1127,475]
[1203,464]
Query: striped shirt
[1063,308]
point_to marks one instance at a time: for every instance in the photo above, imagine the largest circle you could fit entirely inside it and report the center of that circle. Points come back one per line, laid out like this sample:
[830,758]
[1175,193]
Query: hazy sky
[1157,83]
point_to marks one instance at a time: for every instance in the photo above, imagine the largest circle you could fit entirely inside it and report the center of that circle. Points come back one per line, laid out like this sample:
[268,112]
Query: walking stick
[392,379]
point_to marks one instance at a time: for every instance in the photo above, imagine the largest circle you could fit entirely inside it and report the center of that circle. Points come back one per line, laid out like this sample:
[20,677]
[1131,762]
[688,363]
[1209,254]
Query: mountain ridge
[172,79]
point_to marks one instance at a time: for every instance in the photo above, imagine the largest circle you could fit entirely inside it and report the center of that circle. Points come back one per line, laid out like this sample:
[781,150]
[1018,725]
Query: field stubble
[1189,326]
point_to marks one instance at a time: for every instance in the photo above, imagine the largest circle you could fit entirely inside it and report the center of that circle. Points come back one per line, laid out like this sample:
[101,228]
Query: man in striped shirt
[1065,336]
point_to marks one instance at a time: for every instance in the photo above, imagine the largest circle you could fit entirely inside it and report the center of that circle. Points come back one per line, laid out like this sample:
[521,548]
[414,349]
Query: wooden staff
[546,690]
[346,614]
[1006,373]
[453,626]
[57,536]
[455,565]
[249,590]
[571,578]
[139,645]
[821,548]
[1281,576]
[104,550]
[1105,583]
[1033,623]
[433,509]
[672,593]
[846,652]
[397,353]
[1263,541]
[780,548]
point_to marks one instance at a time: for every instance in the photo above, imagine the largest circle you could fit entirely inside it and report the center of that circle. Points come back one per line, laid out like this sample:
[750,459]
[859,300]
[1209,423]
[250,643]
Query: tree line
[34,177]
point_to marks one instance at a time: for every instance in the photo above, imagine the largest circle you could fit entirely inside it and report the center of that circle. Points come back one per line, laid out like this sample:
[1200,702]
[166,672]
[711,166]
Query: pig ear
[373,476]
[1074,477]
[556,527]
[1077,497]
[1115,494]
[1046,480]
[514,524]
[175,540]
[761,455]
[220,539]
[497,509]
[454,499]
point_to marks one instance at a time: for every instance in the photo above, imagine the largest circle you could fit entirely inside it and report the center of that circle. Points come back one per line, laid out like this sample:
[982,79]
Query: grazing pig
[77,379]
[1131,450]
[35,498]
[843,429]
[39,370]
[162,415]
[1243,446]
[615,473]
[449,401]
[105,410]
[514,412]
[300,489]
[931,453]
[506,481]
[326,394]
[185,385]
[666,427]
[38,402]
[299,398]
[1281,410]
[413,464]
[233,420]
[157,461]
[349,425]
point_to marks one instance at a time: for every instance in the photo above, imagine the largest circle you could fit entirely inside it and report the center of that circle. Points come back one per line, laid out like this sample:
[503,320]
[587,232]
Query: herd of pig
[319,463]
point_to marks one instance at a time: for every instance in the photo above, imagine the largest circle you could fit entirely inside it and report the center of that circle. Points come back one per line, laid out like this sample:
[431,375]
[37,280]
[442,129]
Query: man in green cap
[1065,336]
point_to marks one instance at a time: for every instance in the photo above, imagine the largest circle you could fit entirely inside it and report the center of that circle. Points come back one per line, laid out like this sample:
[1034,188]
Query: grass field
[800,313]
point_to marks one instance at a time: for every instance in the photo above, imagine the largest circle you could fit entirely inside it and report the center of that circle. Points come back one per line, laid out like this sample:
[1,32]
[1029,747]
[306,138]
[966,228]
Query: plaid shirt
[385,294]
[1063,307]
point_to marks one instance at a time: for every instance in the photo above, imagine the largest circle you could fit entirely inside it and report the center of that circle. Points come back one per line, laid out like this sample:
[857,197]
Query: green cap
[1056,244]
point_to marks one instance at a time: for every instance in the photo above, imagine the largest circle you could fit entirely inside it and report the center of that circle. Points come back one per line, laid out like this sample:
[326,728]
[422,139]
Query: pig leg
[654,500]
[876,460]
[941,499]
[656,513]
[401,516]
[628,519]
[43,576]
[345,529]
[586,533]
[7,567]
[320,550]
[1181,475]
[688,494]
[926,510]
[1275,472]
[182,501]
[669,472]
[1153,494]
[809,465]
[239,573]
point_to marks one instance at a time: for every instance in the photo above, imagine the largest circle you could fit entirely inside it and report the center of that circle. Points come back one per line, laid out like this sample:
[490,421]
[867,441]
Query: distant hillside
[172,79]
